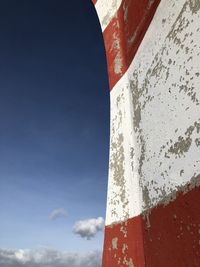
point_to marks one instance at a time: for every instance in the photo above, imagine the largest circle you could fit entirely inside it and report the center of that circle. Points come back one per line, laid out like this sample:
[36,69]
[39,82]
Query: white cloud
[57,213]
[47,257]
[88,228]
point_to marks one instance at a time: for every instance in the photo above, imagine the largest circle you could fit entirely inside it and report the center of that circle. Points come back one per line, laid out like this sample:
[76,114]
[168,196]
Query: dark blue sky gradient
[54,119]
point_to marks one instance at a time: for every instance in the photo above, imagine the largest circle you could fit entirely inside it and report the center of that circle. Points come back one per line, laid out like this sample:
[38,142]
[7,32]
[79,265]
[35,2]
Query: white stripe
[155,115]
[123,190]
[106,10]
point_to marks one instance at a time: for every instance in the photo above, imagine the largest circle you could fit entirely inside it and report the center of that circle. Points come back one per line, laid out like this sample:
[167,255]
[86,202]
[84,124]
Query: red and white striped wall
[153,205]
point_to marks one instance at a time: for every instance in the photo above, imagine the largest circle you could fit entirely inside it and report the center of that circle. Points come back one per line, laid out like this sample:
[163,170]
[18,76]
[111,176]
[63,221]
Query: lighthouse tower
[153,203]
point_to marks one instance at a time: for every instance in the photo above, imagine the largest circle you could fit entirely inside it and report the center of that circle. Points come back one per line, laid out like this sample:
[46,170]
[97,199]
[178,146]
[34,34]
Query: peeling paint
[114,243]
[118,64]
[155,116]
[184,143]
[155,129]
[194,5]
[194,182]
[106,10]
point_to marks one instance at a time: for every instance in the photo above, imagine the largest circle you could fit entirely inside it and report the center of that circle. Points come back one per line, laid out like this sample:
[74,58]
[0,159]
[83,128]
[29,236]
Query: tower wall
[153,204]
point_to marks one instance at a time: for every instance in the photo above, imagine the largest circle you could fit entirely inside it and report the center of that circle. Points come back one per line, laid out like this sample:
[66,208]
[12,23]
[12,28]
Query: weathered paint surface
[154,170]
[130,246]
[155,123]
[172,232]
[168,237]
[106,10]
[124,34]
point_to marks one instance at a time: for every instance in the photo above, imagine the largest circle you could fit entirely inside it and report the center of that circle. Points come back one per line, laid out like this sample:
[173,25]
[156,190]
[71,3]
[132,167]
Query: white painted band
[106,10]
[155,115]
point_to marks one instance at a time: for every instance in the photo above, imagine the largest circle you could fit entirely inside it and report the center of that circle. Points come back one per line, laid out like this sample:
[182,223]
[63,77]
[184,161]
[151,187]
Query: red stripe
[124,35]
[170,237]
[94,1]
[128,245]
[173,236]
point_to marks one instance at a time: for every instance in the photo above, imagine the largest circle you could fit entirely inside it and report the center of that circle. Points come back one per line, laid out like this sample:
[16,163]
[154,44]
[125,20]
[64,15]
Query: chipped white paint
[155,115]
[106,10]
[123,186]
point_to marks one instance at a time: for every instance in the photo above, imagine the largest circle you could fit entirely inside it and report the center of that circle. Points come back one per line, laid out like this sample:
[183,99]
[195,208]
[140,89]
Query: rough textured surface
[130,249]
[155,116]
[168,237]
[106,10]
[153,214]
[124,34]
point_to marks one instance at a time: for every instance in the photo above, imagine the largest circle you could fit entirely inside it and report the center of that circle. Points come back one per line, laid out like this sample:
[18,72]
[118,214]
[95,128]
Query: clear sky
[54,121]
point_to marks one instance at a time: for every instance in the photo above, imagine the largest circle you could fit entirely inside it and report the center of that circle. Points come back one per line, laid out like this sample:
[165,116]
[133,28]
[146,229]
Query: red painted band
[169,237]
[125,33]
[123,243]
[94,1]
[173,238]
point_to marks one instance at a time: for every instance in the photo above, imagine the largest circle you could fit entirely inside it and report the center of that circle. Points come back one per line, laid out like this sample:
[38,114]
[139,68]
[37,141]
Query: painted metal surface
[153,205]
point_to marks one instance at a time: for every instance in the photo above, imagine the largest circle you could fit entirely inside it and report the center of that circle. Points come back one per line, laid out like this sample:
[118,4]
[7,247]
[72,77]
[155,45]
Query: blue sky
[54,119]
